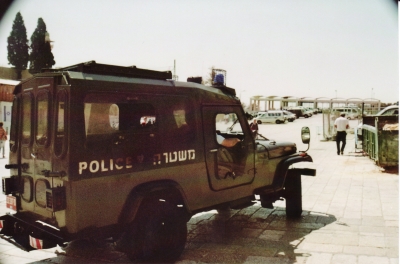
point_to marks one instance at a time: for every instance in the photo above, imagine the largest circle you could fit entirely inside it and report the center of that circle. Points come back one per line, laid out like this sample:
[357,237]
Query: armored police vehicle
[100,151]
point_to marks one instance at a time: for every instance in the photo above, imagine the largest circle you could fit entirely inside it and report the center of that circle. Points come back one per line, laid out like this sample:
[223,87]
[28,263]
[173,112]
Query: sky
[313,48]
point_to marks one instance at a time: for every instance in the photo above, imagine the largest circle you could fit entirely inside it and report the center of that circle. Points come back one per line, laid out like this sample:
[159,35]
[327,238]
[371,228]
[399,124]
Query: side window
[101,118]
[180,126]
[60,137]
[105,115]
[147,121]
[114,116]
[26,119]
[42,113]
[180,118]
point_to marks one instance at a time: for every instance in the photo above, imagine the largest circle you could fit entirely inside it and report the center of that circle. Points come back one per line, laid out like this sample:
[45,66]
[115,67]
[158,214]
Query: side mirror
[305,136]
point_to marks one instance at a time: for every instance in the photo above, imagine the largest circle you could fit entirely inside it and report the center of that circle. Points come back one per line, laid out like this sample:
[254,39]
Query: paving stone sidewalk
[350,215]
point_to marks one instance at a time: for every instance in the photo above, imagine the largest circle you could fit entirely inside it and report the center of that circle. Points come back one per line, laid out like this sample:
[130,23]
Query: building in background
[6,98]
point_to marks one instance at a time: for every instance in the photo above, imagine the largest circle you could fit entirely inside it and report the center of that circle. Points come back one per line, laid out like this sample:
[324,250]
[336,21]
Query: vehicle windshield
[229,123]
[389,111]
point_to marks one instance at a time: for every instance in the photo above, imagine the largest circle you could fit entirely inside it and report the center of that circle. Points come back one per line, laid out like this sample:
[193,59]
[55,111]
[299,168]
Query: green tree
[41,55]
[18,48]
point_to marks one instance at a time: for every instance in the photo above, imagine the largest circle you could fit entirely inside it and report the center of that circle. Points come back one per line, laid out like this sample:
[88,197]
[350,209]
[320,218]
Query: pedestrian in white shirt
[341,124]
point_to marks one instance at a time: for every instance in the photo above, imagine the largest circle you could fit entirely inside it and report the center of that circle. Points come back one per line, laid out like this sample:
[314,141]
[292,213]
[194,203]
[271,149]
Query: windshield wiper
[234,123]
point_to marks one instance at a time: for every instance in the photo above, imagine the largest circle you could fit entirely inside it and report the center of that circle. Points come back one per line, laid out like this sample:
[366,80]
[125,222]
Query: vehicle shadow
[250,235]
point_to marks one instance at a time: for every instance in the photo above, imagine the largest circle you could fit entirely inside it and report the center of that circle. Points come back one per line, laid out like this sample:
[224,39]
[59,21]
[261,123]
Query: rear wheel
[259,122]
[277,121]
[293,197]
[158,234]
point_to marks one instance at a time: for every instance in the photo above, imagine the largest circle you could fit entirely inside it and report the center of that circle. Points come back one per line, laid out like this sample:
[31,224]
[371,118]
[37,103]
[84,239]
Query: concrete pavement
[350,215]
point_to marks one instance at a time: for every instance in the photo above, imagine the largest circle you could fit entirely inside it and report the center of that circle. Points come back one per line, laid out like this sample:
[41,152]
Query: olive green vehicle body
[92,184]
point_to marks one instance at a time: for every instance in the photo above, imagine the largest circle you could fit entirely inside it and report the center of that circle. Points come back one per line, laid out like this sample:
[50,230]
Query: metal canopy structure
[271,102]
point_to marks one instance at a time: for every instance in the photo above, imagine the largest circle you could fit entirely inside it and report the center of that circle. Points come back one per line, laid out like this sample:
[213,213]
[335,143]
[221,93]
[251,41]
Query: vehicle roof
[92,71]
[387,108]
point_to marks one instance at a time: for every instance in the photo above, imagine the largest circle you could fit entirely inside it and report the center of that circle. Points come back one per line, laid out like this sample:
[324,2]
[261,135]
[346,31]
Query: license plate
[11,202]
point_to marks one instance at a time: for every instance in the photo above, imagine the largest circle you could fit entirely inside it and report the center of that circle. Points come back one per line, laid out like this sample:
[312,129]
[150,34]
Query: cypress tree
[41,55]
[18,49]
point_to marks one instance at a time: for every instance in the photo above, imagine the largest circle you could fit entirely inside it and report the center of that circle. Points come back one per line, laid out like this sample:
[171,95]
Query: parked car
[274,116]
[313,110]
[390,110]
[351,112]
[299,112]
[289,115]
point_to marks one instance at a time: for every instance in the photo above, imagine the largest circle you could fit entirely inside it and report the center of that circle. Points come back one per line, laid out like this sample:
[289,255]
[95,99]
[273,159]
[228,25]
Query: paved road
[350,216]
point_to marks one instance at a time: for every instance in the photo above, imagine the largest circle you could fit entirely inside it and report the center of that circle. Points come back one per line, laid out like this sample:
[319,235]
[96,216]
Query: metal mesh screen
[328,117]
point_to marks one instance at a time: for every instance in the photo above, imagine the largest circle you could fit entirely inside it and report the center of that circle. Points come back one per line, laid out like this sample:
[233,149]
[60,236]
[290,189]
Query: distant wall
[11,74]
[6,92]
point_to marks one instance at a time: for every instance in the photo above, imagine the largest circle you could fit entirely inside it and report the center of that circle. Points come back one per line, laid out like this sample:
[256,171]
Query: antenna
[174,76]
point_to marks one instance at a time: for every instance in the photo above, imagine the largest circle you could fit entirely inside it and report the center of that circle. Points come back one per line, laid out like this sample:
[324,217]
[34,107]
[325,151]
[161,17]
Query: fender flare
[281,171]
[169,189]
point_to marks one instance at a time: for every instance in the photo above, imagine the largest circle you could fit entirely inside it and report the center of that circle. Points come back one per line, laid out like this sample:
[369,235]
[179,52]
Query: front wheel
[293,196]
[158,234]
[277,121]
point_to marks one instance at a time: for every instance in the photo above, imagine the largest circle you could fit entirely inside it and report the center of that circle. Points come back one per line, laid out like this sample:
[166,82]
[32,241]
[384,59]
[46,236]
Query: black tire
[158,234]
[293,196]
[259,122]
[277,121]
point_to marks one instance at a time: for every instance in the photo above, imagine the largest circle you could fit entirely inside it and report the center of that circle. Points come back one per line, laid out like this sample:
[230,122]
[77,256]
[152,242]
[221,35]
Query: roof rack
[105,69]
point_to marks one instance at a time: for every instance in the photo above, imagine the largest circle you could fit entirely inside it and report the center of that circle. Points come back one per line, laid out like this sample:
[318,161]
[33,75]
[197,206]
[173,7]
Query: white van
[351,112]
[275,116]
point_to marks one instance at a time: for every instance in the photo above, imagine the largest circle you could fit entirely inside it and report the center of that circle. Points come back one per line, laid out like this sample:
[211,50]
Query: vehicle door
[233,166]
[34,148]
[263,118]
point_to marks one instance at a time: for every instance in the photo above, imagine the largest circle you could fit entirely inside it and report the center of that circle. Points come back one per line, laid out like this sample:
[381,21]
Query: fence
[380,139]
